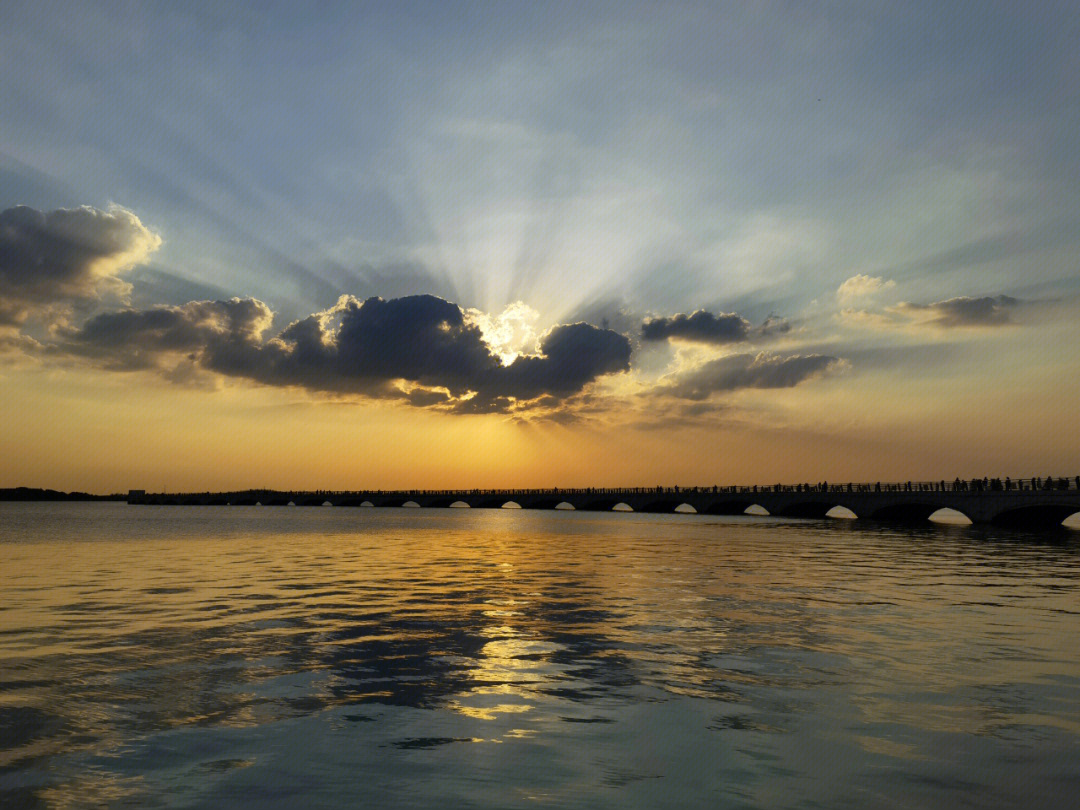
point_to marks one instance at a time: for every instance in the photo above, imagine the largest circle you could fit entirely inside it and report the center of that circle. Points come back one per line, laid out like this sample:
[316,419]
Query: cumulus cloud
[67,256]
[861,286]
[420,349]
[155,338]
[699,327]
[705,327]
[571,356]
[762,370]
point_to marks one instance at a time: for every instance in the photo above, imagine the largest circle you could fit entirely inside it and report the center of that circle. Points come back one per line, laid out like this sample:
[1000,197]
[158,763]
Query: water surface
[329,657]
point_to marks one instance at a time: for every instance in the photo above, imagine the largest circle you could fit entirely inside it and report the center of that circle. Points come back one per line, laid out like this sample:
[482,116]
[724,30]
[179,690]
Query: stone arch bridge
[1018,505]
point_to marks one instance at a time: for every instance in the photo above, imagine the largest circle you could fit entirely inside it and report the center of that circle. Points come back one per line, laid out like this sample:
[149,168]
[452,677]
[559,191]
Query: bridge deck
[1026,502]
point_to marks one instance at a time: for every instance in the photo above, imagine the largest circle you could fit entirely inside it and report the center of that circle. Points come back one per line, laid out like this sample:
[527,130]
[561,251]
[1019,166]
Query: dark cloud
[419,338]
[738,371]
[774,325]
[367,347]
[571,356]
[962,311]
[700,327]
[138,339]
[66,256]
[717,330]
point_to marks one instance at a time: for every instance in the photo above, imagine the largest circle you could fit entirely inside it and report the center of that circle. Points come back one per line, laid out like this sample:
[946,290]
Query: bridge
[1032,502]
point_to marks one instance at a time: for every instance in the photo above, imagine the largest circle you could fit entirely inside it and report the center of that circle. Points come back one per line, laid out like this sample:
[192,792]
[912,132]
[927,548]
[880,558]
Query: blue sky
[510,150]
[604,162]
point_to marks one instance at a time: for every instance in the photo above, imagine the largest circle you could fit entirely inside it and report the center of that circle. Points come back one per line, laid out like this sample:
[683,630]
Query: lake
[156,656]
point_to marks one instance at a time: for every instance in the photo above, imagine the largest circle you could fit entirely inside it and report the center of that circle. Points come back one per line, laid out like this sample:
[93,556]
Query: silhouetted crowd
[956,485]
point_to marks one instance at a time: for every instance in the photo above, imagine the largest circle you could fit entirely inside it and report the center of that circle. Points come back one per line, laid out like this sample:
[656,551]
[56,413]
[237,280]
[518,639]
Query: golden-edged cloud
[419,349]
[53,259]
[862,286]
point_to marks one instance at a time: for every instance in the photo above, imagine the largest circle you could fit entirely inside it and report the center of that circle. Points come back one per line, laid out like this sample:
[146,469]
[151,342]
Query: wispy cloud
[962,312]
[739,371]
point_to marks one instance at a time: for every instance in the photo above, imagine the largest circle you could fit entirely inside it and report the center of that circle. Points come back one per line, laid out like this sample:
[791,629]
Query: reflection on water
[186,657]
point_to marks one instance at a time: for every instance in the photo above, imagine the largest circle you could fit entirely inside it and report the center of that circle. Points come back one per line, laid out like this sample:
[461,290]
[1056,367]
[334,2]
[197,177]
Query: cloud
[509,333]
[67,256]
[700,327]
[156,338]
[420,349]
[861,286]
[774,325]
[866,318]
[739,371]
[960,312]
[571,356]
[704,327]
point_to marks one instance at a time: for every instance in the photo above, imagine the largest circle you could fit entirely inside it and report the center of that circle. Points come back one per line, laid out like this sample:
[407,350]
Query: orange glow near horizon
[110,433]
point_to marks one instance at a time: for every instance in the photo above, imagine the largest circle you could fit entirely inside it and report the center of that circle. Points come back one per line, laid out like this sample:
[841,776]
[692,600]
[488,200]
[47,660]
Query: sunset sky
[537,244]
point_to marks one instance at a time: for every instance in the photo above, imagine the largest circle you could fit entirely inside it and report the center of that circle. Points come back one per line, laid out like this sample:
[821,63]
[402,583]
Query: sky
[441,245]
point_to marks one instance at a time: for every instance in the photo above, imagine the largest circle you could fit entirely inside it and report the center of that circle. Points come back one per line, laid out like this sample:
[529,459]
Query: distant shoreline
[36,494]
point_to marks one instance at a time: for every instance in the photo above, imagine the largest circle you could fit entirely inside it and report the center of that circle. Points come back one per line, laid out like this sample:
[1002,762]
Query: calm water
[275,657]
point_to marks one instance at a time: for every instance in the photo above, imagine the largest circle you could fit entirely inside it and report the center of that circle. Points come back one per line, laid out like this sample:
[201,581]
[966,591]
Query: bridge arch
[622,506]
[458,505]
[685,509]
[840,512]
[410,505]
[565,505]
[949,517]
[756,509]
[511,505]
